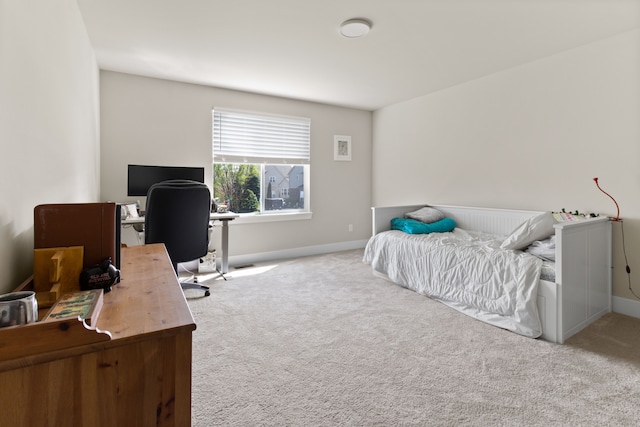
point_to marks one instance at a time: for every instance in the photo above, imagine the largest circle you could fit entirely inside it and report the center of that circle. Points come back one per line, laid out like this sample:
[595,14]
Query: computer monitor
[141,177]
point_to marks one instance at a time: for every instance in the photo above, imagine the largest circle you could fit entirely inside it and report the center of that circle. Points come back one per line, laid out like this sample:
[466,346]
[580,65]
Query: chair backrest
[178,214]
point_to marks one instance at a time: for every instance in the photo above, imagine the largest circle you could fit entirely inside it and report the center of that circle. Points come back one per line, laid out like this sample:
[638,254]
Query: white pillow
[537,228]
[545,249]
[426,215]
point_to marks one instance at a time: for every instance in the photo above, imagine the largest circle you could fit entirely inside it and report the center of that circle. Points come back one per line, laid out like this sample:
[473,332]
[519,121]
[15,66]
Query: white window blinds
[247,137]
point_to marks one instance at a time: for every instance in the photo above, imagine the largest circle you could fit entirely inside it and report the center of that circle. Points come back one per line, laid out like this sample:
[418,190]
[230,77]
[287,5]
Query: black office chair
[177,214]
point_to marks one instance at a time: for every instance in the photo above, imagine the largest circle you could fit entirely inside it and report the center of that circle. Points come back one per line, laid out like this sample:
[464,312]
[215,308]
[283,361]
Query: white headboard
[488,220]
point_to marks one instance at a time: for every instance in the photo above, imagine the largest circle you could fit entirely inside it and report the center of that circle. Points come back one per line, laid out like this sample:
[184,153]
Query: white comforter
[465,270]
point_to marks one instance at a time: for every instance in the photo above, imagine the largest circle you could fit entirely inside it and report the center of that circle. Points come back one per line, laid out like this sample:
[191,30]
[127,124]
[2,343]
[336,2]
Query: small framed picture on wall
[342,148]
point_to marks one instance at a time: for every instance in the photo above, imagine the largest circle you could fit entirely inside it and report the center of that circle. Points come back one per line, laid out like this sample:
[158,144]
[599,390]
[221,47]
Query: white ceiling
[293,48]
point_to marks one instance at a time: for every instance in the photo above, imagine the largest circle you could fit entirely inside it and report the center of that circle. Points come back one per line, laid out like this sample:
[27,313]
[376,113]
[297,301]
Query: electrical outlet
[207,264]
[350,227]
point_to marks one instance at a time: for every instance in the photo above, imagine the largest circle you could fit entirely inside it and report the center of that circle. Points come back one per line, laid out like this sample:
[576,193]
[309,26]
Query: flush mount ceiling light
[353,28]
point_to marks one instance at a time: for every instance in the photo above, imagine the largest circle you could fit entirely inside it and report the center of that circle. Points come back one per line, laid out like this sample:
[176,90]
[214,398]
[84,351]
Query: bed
[560,297]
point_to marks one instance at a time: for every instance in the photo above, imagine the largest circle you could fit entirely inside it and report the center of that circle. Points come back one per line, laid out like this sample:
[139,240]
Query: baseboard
[254,258]
[626,306]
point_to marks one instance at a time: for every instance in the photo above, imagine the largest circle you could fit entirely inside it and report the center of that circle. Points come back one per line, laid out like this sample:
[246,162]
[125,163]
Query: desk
[224,218]
[59,373]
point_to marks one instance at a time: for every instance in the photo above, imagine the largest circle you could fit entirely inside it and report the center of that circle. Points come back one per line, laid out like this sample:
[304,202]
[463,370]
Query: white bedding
[465,270]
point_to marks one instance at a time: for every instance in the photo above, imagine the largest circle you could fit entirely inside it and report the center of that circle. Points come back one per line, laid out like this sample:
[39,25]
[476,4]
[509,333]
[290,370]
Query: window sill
[271,217]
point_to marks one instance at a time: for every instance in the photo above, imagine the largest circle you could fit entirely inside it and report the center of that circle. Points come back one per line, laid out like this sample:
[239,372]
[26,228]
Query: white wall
[49,121]
[531,137]
[160,122]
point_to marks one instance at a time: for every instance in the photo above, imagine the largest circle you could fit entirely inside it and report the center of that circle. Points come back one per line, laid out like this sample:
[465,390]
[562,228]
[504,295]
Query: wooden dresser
[138,374]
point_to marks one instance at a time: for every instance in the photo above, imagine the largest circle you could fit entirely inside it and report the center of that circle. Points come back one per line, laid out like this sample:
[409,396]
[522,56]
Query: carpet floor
[320,341]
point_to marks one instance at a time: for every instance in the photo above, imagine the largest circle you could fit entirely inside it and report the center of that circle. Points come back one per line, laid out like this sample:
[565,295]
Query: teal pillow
[411,226]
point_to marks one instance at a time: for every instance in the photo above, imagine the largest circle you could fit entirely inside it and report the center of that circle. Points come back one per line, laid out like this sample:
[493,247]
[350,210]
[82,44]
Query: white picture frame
[342,148]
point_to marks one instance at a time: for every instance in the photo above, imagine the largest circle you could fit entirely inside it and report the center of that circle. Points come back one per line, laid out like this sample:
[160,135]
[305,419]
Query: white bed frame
[582,291]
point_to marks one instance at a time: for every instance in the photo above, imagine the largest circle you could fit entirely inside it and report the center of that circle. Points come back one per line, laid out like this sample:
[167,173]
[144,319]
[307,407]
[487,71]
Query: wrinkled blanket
[467,271]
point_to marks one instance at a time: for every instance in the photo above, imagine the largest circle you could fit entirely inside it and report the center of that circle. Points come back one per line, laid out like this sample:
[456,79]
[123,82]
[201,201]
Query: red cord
[617,218]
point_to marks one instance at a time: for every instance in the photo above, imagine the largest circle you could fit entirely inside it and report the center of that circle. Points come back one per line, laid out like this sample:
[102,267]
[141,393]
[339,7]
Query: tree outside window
[239,186]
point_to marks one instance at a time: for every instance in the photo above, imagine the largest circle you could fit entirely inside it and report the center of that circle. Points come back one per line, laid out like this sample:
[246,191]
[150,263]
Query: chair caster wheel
[207,293]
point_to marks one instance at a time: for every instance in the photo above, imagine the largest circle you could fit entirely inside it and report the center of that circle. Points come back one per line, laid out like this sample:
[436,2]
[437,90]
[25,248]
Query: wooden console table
[136,374]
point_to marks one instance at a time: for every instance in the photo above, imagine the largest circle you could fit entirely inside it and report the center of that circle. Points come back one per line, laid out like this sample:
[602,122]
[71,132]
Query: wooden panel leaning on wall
[133,369]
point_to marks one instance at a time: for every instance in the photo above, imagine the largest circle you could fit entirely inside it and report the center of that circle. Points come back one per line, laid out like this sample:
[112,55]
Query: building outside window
[260,161]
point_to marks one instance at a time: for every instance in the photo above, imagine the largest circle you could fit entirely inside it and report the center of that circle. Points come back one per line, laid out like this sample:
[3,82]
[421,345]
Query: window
[261,161]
